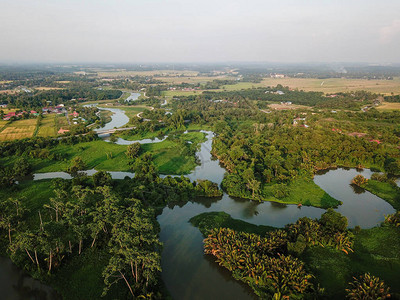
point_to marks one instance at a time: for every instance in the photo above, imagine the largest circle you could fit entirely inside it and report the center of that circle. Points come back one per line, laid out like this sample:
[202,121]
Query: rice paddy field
[333,85]
[48,126]
[18,130]
[327,86]
[388,106]
[122,72]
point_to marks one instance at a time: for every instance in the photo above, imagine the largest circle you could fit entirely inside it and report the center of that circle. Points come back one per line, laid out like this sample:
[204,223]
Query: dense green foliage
[210,220]
[114,220]
[367,287]
[386,190]
[93,236]
[55,97]
[267,263]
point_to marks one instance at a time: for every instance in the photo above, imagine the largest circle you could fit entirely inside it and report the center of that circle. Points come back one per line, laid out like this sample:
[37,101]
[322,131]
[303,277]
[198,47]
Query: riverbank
[170,156]
[300,191]
[210,220]
[384,190]
[376,250]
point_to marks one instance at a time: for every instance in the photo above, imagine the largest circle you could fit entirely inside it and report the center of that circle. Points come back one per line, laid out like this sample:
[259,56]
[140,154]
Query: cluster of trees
[359,180]
[264,96]
[43,98]
[269,264]
[80,217]
[116,217]
[168,189]
[9,174]
[392,98]
[262,160]
[37,144]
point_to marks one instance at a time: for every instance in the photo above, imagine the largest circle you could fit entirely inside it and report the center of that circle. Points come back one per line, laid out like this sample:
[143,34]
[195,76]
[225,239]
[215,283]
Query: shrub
[359,180]
[367,287]
[393,219]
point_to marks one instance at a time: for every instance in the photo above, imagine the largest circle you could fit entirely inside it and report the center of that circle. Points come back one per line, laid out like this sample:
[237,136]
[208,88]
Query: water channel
[187,272]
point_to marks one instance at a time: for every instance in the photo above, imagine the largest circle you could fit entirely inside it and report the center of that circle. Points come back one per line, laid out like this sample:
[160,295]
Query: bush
[133,150]
[393,219]
[333,221]
[379,177]
[359,180]
[367,287]
[76,165]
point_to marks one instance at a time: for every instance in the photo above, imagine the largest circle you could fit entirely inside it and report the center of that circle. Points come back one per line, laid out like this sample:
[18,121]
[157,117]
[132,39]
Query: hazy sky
[199,30]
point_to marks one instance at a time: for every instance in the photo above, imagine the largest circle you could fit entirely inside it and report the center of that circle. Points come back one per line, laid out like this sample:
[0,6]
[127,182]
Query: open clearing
[8,91]
[47,88]
[123,72]
[18,130]
[389,106]
[286,107]
[333,85]
[47,126]
[171,94]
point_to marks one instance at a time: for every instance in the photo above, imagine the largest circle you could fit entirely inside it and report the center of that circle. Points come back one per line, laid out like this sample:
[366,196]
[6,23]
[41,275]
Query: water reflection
[118,119]
[188,274]
[17,285]
[132,97]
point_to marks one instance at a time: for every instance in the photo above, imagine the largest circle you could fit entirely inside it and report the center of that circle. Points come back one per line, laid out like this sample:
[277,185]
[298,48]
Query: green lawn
[304,191]
[376,250]
[386,191]
[48,126]
[149,135]
[210,220]
[168,155]
[101,155]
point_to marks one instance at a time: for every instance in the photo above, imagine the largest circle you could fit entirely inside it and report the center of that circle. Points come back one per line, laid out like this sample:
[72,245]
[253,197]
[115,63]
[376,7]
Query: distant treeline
[284,94]
[54,97]
[393,98]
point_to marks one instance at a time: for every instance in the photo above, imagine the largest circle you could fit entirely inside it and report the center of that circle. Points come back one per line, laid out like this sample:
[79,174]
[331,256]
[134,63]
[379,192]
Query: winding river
[187,272]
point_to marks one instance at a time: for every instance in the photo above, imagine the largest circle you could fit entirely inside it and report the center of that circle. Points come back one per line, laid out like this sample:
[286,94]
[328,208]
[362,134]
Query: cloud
[390,32]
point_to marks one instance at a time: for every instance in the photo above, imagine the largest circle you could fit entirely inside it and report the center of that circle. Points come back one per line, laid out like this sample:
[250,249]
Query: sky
[135,31]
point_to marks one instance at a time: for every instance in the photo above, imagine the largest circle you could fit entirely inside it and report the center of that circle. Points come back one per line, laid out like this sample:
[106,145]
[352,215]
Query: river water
[187,272]
[132,97]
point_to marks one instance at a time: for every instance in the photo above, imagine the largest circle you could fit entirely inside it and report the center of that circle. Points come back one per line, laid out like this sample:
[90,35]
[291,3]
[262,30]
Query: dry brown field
[388,106]
[18,130]
[334,85]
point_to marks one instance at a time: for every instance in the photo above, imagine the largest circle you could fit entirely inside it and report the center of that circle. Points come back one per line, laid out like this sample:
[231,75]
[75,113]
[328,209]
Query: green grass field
[169,158]
[101,155]
[170,94]
[207,221]
[303,191]
[48,126]
[386,191]
[149,135]
[376,250]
